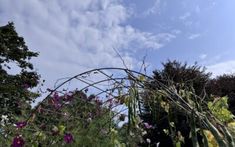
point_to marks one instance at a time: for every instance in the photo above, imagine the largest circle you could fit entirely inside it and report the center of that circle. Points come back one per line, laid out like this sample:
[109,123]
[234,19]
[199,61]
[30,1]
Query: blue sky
[76,35]
[206,33]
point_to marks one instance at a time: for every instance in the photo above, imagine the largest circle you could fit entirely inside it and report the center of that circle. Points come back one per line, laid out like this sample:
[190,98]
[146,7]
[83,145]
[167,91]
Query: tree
[14,53]
[182,78]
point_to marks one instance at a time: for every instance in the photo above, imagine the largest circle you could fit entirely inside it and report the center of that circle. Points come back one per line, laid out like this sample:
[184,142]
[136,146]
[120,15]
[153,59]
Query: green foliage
[219,109]
[223,85]
[86,120]
[14,91]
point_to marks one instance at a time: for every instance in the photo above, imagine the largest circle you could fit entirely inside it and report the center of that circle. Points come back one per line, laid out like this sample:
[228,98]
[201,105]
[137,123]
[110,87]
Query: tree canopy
[15,54]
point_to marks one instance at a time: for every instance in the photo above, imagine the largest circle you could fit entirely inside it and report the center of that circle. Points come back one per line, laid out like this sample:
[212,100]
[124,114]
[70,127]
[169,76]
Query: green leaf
[61,129]
[178,144]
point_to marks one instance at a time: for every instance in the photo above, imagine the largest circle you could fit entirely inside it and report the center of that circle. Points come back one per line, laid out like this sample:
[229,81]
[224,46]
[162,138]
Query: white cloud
[227,67]
[154,9]
[194,36]
[203,56]
[73,36]
[185,16]
[176,31]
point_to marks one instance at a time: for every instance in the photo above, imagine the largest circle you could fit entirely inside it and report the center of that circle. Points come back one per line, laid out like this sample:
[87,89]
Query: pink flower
[148,126]
[21,124]
[18,142]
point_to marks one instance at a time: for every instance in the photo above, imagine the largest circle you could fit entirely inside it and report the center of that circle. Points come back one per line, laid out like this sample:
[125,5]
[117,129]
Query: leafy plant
[219,109]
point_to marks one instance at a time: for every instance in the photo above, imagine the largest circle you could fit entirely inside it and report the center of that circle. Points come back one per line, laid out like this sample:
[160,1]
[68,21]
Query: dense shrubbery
[68,119]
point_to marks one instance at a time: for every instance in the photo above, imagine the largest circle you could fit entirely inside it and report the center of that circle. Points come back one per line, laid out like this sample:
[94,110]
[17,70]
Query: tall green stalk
[193,129]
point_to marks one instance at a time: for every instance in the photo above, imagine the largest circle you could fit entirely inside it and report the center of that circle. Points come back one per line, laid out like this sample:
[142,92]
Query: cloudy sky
[76,35]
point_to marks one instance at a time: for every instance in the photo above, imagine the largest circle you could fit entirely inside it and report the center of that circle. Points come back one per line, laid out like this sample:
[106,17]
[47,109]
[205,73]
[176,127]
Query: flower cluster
[56,100]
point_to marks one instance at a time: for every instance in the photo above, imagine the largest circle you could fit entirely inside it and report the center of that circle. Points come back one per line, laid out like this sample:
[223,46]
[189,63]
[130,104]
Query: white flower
[144,133]
[157,145]
[4,120]
[4,117]
[148,140]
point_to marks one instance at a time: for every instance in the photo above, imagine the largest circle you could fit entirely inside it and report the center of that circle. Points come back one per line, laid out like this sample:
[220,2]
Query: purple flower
[148,126]
[56,96]
[68,138]
[56,100]
[18,142]
[21,124]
